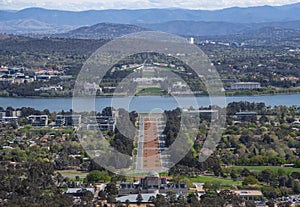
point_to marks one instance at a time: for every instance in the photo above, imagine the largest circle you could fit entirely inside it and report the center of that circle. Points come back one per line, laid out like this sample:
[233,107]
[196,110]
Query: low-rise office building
[154,184]
[68,120]
[245,86]
[38,120]
[249,195]
[246,116]
[10,120]
[103,123]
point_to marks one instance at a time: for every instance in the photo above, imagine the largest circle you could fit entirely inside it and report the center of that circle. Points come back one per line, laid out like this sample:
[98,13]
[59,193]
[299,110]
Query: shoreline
[123,96]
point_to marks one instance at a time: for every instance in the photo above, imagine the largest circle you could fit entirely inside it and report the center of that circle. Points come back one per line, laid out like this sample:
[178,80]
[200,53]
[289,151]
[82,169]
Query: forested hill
[101,31]
[48,45]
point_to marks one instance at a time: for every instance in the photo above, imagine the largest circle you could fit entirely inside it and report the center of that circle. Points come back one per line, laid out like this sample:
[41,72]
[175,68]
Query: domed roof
[152,173]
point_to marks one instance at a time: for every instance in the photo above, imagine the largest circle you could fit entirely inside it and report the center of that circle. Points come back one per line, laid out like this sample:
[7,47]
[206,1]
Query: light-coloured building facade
[245,86]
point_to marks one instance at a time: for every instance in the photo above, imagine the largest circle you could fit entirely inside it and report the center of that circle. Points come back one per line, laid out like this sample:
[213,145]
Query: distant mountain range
[193,28]
[178,21]
[184,28]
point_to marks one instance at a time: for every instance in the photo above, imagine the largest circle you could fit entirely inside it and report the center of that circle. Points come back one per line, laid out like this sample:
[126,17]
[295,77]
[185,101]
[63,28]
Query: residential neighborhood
[229,173]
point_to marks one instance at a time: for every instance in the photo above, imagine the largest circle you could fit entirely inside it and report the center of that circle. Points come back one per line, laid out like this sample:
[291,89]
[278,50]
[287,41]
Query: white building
[10,119]
[148,80]
[191,40]
[179,85]
[103,123]
[38,120]
[245,86]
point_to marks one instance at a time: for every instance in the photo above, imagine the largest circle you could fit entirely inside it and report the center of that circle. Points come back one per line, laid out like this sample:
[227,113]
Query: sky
[79,5]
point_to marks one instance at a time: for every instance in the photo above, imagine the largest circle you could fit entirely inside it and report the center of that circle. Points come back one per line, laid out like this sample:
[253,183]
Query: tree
[171,196]
[250,204]
[111,199]
[228,198]
[111,188]
[245,172]
[296,186]
[102,195]
[98,176]
[267,176]
[269,192]
[213,186]
[285,204]
[160,201]
[250,180]
[139,199]
[233,175]
[223,199]
[270,203]
[87,197]
[127,203]
[297,162]
[193,201]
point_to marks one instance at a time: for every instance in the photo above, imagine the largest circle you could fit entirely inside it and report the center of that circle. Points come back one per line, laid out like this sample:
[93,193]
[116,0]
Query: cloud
[6,2]
[135,4]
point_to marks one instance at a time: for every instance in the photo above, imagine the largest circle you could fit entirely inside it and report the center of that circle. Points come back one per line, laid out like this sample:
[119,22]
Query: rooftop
[76,190]
[152,173]
[248,192]
[132,198]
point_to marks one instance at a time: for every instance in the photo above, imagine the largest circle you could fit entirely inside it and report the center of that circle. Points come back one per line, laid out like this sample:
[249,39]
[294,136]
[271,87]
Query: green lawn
[223,181]
[151,91]
[131,69]
[72,173]
[288,170]
[148,73]
[170,69]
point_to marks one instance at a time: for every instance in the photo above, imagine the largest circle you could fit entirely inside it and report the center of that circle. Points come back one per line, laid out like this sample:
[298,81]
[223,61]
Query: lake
[141,104]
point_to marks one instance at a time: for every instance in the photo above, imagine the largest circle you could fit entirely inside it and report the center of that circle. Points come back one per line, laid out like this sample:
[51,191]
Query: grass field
[222,181]
[151,91]
[287,170]
[72,173]
[148,73]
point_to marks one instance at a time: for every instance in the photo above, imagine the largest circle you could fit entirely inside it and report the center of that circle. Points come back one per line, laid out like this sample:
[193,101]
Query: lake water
[140,104]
